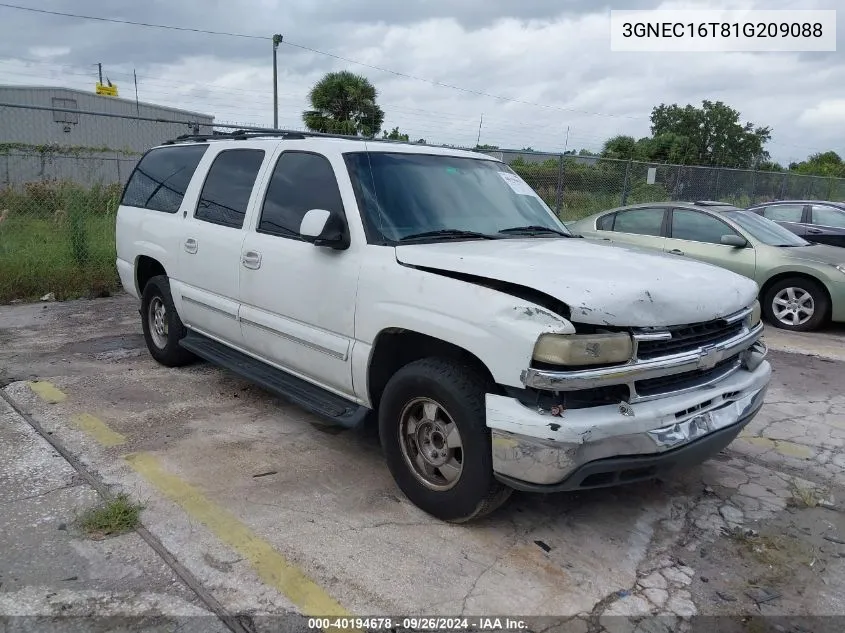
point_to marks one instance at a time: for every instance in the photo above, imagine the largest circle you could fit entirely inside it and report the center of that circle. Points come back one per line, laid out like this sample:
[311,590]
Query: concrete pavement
[274,514]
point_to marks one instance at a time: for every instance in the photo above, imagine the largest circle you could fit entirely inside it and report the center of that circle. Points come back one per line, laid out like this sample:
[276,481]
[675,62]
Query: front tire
[435,438]
[796,303]
[163,329]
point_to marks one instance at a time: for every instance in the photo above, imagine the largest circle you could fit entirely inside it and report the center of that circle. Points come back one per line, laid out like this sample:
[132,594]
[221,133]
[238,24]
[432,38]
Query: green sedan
[802,285]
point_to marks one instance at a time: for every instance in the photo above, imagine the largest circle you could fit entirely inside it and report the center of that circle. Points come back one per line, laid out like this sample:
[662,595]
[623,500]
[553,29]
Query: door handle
[251,259]
[815,231]
[677,251]
[191,245]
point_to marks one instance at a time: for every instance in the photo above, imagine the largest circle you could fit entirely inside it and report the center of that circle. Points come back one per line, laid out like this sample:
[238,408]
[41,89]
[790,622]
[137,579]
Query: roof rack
[248,133]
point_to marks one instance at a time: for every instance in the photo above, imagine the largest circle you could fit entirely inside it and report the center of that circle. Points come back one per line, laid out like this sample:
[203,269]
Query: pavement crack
[72,484]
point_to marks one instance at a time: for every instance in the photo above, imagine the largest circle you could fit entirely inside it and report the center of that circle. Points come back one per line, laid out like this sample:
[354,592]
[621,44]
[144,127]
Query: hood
[819,253]
[602,284]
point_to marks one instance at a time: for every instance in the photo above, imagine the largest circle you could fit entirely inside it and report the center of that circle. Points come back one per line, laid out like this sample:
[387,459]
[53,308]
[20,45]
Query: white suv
[435,287]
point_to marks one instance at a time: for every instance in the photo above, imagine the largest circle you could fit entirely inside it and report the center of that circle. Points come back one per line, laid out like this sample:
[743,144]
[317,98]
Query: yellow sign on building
[107,90]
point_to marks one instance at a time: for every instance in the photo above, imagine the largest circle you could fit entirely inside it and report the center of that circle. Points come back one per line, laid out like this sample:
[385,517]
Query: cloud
[553,54]
[825,116]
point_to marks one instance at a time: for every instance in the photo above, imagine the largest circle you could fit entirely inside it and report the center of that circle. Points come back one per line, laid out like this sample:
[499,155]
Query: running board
[334,408]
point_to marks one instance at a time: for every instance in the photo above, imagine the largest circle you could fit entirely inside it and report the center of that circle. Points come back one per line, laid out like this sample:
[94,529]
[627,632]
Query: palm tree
[344,103]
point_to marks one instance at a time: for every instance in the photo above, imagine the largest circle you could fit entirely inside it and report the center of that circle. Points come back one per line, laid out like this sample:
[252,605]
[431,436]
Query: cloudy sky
[549,59]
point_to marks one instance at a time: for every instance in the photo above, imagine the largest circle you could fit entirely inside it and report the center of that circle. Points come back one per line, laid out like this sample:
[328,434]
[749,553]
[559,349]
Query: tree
[821,164]
[344,103]
[395,135]
[486,147]
[421,141]
[711,134]
[620,146]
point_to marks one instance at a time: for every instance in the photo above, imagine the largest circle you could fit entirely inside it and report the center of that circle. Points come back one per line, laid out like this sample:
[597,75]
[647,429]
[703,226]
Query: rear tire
[436,441]
[163,329]
[796,303]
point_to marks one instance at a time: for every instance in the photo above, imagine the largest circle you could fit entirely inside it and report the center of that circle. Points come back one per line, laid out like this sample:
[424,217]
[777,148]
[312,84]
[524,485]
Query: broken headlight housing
[584,349]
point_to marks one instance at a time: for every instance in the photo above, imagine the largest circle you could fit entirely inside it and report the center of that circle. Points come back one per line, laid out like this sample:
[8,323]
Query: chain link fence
[58,203]
[577,186]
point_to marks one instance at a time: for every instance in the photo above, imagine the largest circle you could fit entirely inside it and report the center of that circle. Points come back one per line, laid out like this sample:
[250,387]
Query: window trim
[208,173]
[269,181]
[711,215]
[827,206]
[663,231]
[136,169]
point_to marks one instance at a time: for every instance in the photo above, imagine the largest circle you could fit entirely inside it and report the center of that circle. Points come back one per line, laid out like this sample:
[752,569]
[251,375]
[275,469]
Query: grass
[112,518]
[802,496]
[59,238]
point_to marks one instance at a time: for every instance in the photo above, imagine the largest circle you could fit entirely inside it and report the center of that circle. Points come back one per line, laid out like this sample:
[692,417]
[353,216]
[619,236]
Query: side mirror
[324,228]
[734,240]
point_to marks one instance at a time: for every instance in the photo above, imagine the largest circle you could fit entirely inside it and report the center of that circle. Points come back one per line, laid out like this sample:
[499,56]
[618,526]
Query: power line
[117,21]
[396,73]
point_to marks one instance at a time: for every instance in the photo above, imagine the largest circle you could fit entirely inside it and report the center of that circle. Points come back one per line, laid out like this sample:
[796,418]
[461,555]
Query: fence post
[753,198]
[625,183]
[783,186]
[830,189]
[559,192]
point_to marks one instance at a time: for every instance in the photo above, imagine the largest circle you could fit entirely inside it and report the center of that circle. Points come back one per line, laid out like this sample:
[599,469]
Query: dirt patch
[787,564]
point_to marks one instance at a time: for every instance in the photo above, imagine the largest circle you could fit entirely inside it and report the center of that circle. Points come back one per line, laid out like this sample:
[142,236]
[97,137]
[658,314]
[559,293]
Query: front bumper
[608,445]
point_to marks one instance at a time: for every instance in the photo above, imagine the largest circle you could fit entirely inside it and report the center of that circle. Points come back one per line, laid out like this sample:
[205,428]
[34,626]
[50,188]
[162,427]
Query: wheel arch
[393,348]
[146,268]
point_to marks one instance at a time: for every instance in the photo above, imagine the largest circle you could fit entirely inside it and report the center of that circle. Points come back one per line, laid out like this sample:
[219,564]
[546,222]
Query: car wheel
[163,329]
[797,304]
[435,438]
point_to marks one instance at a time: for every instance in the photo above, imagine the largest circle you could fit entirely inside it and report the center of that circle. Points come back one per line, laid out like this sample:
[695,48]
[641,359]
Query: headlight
[583,349]
[756,313]
[840,268]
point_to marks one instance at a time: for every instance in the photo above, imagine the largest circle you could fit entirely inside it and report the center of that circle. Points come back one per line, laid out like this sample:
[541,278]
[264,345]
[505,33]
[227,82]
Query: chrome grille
[676,382]
[686,338]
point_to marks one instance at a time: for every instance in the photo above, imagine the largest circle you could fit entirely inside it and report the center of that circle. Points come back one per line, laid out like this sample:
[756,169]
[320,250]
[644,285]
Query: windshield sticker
[517,184]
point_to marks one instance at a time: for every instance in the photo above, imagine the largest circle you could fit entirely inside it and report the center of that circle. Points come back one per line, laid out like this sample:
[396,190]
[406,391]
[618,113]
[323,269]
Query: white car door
[298,299]
[210,246]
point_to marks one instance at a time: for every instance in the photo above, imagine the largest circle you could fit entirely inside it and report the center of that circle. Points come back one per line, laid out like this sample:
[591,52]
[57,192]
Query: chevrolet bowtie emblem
[708,359]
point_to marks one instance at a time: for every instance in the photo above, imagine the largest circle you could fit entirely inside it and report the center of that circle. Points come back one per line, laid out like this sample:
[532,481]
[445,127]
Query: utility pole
[277,39]
[480,123]
[100,70]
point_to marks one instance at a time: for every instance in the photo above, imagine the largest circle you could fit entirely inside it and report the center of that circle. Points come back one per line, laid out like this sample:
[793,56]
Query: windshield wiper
[534,229]
[448,233]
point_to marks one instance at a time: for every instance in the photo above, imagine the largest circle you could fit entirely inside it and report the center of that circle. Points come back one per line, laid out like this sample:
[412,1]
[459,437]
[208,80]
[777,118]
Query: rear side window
[605,222]
[640,221]
[228,186]
[784,212]
[161,178]
[300,182]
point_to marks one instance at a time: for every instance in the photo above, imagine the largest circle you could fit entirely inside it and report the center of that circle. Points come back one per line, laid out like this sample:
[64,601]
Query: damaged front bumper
[613,444]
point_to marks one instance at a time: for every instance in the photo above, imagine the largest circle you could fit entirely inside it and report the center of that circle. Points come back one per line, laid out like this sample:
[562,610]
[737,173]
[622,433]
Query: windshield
[403,195]
[765,230]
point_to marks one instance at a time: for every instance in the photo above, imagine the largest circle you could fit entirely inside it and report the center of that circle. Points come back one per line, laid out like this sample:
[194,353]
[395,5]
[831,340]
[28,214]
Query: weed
[114,517]
[802,496]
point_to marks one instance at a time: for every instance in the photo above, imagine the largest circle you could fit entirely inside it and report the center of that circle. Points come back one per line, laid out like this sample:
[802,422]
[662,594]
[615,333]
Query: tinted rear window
[228,186]
[161,178]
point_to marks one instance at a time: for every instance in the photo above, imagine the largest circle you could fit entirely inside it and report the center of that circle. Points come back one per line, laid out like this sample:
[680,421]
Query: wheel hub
[158,322]
[793,306]
[432,443]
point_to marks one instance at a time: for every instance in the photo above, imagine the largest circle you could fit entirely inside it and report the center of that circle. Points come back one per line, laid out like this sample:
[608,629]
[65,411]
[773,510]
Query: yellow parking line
[98,429]
[47,391]
[273,568]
